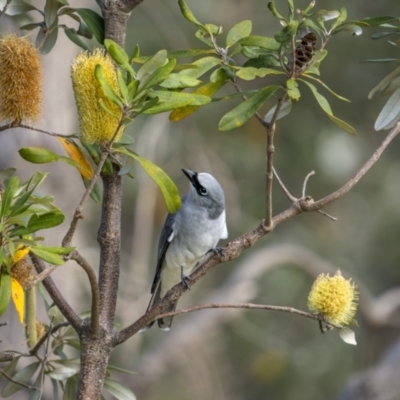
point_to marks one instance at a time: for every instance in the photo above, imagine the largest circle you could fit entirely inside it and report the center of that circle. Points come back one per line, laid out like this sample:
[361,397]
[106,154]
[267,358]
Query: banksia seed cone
[21,97]
[97,126]
[334,297]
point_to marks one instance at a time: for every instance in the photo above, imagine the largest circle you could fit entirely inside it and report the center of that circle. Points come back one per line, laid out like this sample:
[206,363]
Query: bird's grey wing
[166,237]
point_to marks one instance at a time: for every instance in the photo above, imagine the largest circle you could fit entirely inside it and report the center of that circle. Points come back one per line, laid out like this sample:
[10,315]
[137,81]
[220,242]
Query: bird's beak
[190,174]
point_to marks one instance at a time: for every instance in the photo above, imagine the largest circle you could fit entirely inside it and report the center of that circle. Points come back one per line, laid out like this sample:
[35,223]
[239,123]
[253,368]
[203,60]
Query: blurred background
[234,354]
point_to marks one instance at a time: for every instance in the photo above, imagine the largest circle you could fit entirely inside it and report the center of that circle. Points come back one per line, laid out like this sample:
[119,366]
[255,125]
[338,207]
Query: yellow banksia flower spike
[21,81]
[97,125]
[335,298]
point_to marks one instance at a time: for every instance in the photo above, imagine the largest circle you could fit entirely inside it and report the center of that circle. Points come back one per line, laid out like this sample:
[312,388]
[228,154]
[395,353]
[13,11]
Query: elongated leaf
[285,34]
[18,296]
[77,155]
[74,38]
[385,82]
[62,373]
[167,186]
[50,12]
[47,41]
[170,100]
[376,21]
[21,7]
[118,369]
[56,250]
[38,222]
[240,114]
[283,111]
[292,89]
[105,86]
[119,55]
[10,368]
[202,65]
[70,388]
[24,376]
[327,88]
[260,41]
[157,61]
[323,103]
[119,391]
[239,31]
[5,292]
[159,75]
[47,256]
[342,17]
[38,155]
[94,21]
[187,13]
[8,195]
[177,81]
[209,89]
[249,73]
[390,113]
[96,194]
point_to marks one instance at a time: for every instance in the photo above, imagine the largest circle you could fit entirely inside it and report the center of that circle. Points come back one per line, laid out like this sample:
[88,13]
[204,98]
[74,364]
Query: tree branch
[33,351]
[17,382]
[5,8]
[235,248]
[94,319]
[56,296]
[5,127]
[252,306]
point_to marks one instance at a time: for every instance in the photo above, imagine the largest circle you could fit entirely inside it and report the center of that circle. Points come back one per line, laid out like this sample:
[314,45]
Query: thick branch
[56,296]
[237,246]
[109,238]
[94,319]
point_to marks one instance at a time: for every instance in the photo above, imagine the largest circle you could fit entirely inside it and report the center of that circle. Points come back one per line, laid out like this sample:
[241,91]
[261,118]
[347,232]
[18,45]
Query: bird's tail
[163,323]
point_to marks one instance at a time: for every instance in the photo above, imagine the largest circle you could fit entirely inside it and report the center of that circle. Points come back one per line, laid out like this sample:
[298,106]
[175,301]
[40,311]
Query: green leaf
[323,103]
[132,89]
[292,89]
[177,81]
[7,173]
[49,40]
[274,11]
[122,86]
[376,21]
[105,86]
[50,12]
[119,391]
[350,28]
[390,113]
[157,61]
[260,41]
[38,222]
[171,100]
[8,195]
[71,387]
[126,140]
[249,73]
[167,186]
[74,38]
[65,251]
[326,15]
[55,314]
[5,292]
[24,376]
[96,194]
[10,368]
[38,155]
[94,21]
[342,17]
[202,65]
[240,114]
[327,88]
[62,373]
[30,27]
[187,13]
[239,31]
[118,369]
[385,82]
[18,7]
[119,55]
[283,111]
[286,34]
[159,75]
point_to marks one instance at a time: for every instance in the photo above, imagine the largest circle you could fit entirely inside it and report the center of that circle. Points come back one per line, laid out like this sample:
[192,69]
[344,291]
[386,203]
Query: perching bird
[188,236]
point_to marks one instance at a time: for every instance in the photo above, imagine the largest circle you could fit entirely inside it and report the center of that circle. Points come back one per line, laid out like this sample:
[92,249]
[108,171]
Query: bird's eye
[203,191]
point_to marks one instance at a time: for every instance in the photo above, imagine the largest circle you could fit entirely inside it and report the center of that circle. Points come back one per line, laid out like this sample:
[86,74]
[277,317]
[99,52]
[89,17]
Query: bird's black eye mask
[201,190]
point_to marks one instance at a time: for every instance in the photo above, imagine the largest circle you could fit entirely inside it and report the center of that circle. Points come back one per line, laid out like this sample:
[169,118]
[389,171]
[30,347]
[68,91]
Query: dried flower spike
[97,125]
[21,78]
[334,297]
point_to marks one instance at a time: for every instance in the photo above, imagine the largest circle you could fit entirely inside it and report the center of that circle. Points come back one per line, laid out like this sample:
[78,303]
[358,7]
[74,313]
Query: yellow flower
[334,297]
[97,126]
[20,81]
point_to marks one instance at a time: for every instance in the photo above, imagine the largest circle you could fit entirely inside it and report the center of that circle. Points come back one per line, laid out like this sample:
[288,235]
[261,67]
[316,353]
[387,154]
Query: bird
[188,238]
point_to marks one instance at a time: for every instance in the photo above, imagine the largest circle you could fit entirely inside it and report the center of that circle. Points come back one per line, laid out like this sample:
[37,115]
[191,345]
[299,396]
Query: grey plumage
[188,236]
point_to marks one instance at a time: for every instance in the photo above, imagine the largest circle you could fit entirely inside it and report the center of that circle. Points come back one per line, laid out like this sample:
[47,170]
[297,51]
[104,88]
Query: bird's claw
[218,250]
[185,279]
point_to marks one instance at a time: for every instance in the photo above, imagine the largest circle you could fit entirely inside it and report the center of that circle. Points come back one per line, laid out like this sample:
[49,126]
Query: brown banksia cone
[97,125]
[21,78]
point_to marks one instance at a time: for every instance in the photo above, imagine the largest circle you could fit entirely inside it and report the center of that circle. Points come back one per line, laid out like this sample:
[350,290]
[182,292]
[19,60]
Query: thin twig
[303,192]
[66,310]
[5,127]
[327,215]
[38,278]
[252,306]
[66,242]
[269,173]
[94,319]
[283,187]
[5,8]
[16,382]
[33,351]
